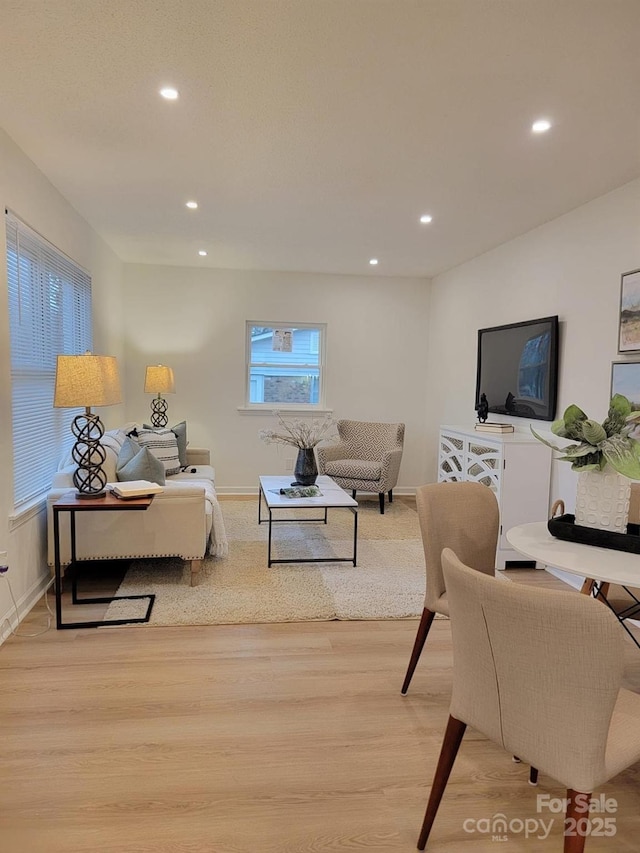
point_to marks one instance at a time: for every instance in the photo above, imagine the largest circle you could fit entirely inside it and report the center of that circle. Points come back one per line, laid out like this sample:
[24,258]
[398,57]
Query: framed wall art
[629,321]
[625,379]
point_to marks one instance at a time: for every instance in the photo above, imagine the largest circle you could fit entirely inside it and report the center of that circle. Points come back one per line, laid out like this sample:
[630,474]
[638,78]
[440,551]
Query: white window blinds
[49,313]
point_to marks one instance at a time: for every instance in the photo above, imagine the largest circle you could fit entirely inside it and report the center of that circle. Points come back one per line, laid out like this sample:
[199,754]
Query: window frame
[50,312]
[314,408]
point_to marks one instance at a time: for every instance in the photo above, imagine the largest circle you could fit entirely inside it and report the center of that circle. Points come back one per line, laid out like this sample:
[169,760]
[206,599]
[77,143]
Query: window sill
[260,409]
[27,512]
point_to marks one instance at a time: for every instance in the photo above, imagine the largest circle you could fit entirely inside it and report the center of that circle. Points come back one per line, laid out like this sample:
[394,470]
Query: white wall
[570,267]
[28,193]
[194,321]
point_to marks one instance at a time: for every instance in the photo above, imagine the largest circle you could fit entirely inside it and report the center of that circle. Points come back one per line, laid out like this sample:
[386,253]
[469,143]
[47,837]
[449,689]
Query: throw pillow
[129,449]
[164,446]
[180,431]
[142,466]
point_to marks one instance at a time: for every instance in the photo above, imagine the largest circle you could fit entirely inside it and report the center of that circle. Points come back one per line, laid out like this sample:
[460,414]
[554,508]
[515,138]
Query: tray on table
[564,527]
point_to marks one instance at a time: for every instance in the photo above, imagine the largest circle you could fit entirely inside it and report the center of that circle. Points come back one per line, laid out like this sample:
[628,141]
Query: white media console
[514,465]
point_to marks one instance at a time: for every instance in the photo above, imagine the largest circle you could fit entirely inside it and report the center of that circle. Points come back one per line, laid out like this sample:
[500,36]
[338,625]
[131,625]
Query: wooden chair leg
[423,629]
[452,740]
[353,494]
[390,496]
[575,825]
[533,771]
[381,498]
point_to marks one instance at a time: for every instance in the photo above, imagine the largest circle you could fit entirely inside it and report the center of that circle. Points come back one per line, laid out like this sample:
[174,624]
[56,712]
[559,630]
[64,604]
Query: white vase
[602,500]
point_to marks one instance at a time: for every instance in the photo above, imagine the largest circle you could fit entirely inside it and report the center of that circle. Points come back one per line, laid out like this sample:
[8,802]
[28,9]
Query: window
[49,313]
[285,363]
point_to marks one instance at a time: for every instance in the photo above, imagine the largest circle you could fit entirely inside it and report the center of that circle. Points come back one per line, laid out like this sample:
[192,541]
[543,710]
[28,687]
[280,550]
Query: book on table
[493,427]
[130,489]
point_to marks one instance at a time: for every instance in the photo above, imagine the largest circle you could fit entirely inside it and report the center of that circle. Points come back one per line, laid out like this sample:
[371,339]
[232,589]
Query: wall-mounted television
[518,368]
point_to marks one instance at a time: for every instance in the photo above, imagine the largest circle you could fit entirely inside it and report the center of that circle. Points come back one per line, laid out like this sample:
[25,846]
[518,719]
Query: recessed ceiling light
[426,219]
[169,94]
[542,125]
[373,262]
[202,253]
[192,205]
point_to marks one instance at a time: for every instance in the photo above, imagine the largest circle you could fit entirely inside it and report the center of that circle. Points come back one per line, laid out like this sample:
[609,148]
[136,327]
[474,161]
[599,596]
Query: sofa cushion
[354,469]
[164,446]
[194,473]
[143,465]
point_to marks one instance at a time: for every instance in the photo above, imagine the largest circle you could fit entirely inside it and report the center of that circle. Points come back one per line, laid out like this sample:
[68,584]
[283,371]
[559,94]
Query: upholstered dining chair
[461,516]
[538,672]
[365,459]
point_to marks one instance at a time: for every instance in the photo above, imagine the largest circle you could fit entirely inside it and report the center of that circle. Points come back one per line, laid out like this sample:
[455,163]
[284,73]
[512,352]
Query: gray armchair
[366,458]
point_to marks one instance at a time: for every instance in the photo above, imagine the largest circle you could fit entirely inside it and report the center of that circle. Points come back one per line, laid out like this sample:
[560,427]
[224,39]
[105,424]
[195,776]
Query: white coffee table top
[332,494]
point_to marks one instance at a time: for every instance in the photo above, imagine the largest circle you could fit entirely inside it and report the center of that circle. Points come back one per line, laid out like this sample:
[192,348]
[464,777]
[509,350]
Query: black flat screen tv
[518,368]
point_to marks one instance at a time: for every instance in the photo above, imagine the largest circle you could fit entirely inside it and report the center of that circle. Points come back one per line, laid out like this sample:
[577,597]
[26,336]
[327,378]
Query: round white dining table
[588,561]
[598,566]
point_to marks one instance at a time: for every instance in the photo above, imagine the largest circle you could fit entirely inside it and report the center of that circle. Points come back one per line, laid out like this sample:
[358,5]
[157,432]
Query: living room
[400,347]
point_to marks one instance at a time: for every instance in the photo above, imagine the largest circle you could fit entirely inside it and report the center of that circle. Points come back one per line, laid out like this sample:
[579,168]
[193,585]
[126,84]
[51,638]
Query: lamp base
[89,477]
[159,408]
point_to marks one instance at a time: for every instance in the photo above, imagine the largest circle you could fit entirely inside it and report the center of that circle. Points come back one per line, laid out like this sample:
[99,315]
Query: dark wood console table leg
[66,505]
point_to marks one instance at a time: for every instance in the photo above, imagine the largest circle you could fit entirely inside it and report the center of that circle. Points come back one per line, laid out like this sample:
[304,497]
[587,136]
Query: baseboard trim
[9,621]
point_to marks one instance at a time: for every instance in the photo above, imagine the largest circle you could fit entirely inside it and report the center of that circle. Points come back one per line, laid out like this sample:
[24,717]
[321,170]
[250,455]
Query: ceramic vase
[306,469]
[602,500]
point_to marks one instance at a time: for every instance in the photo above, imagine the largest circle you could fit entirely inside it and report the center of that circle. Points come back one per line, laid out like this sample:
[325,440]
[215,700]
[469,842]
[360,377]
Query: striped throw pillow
[164,446]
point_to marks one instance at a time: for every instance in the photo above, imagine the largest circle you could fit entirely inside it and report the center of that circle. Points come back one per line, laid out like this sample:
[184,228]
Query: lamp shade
[86,380]
[159,380]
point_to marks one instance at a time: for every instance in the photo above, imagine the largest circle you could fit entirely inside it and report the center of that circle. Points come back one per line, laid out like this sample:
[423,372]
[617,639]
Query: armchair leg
[423,629]
[353,494]
[576,815]
[390,496]
[452,740]
[381,497]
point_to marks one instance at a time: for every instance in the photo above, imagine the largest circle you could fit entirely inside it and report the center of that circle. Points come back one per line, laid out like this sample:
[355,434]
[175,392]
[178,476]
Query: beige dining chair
[461,516]
[538,672]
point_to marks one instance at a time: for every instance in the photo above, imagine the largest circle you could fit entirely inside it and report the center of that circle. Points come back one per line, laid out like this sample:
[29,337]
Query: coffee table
[332,497]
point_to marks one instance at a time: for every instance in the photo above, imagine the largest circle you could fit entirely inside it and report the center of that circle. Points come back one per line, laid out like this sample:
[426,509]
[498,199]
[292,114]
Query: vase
[306,470]
[602,500]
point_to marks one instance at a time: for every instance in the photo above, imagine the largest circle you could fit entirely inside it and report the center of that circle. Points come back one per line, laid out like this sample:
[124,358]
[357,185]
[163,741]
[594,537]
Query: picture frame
[629,318]
[625,380]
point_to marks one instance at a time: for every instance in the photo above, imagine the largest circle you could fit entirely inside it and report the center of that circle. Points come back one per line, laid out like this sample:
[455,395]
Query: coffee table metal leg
[355,534]
[270,524]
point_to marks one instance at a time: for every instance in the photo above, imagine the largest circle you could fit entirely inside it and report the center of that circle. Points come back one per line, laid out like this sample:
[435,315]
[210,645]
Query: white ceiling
[314,133]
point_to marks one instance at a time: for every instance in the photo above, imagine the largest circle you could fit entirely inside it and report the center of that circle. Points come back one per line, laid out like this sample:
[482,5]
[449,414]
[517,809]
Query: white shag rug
[388,581]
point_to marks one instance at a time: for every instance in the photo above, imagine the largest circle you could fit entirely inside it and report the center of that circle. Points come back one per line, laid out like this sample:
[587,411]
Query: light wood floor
[237,739]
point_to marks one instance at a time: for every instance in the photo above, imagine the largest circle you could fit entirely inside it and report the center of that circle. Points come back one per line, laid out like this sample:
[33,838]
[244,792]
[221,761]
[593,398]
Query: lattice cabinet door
[451,458]
[483,464]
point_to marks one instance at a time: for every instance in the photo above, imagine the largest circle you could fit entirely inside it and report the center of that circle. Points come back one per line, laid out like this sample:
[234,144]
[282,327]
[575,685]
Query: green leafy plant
[597,445]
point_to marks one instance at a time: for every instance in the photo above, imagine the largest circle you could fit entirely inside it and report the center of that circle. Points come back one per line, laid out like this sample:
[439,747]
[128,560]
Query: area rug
[388,581]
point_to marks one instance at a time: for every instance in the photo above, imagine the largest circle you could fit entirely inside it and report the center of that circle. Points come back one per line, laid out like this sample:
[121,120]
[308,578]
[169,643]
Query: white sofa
[184,521]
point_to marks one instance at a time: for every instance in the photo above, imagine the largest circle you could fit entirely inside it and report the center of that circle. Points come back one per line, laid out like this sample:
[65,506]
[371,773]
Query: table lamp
[87,380]
[159,380]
